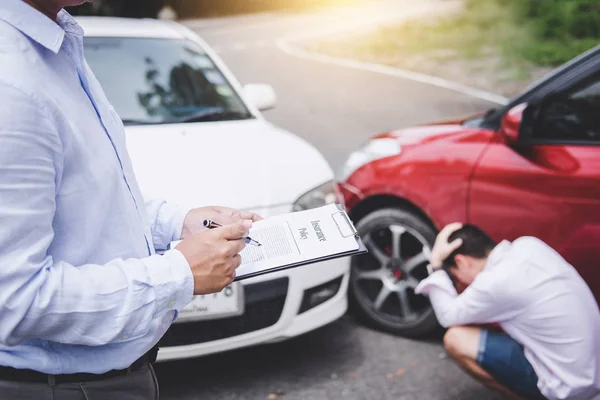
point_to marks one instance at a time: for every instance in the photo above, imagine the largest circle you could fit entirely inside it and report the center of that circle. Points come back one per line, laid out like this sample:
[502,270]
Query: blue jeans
[504,359]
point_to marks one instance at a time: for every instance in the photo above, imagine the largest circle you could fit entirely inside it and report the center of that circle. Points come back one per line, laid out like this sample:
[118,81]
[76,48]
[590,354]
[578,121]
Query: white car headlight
[322,195]
[373,150]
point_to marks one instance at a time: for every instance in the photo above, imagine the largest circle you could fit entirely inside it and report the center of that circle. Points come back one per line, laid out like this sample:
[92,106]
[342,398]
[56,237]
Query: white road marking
[285,44]
[393,71]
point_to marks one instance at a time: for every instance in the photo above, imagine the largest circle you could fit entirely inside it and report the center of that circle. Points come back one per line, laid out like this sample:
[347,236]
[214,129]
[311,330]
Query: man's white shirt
[540,301]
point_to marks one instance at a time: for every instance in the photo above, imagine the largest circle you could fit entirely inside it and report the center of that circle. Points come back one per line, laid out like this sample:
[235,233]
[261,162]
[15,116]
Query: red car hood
[420,134]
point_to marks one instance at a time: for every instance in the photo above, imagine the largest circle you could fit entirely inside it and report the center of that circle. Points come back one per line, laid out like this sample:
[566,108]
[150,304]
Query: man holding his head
[550,344]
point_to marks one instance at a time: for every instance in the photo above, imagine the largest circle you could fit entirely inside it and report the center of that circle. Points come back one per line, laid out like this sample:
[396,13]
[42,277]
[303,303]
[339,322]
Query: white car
[196,137]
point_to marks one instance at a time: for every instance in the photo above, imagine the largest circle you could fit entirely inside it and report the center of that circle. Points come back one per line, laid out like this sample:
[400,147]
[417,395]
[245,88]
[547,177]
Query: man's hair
[476,243]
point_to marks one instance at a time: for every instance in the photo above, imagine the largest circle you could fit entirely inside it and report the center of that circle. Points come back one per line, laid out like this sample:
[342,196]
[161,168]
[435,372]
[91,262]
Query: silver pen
[212,225]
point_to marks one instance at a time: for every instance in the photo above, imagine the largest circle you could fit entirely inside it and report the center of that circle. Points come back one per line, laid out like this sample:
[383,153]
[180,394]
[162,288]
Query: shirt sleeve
[166,222]
[48,299]
[480,303]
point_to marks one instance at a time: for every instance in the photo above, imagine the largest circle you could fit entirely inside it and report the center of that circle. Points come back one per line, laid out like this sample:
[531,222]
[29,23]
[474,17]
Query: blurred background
[342,72]
[500,45]
[194,8]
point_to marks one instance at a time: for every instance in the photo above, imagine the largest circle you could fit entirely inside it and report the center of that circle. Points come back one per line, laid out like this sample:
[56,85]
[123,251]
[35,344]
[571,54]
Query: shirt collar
[498,254]
[37,26]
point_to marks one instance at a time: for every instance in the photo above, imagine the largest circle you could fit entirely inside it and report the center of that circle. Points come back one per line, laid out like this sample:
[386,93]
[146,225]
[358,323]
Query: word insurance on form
[299,238]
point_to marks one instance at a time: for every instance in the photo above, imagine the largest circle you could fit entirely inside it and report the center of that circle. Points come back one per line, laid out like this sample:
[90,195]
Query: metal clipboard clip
[343,223]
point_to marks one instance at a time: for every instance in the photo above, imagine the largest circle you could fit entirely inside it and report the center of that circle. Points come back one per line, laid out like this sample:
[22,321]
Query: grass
[483,26]
[469,33]
[486,38]
[558,29]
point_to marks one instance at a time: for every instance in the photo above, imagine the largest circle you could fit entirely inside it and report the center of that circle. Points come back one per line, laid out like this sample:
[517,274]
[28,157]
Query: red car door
[549,186]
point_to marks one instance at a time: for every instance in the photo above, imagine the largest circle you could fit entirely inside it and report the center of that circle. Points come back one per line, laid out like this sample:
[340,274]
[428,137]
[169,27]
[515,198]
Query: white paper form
[298,238]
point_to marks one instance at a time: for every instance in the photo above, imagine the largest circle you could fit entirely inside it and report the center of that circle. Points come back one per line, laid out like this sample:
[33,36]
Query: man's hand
[194,221]
[442,249]
[214,256]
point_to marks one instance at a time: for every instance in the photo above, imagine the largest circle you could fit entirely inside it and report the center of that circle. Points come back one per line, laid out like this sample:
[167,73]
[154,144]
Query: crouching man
[549,345]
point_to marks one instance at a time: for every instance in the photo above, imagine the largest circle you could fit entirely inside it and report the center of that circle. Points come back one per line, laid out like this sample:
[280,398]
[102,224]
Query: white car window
[158,81]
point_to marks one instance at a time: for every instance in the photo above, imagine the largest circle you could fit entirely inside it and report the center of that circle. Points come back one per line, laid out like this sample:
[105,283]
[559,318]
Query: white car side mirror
[262,96]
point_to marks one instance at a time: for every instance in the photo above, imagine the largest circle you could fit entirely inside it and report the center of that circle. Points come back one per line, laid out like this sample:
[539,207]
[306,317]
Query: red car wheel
[383,281]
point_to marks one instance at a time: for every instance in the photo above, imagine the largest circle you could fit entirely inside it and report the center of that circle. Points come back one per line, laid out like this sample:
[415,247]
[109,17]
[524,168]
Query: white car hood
[241,164]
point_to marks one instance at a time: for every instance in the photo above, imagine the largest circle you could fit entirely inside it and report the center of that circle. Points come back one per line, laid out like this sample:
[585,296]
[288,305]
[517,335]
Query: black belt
[26,375]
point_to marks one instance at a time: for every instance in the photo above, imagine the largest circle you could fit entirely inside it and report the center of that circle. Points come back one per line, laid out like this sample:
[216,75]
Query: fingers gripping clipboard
[298,239]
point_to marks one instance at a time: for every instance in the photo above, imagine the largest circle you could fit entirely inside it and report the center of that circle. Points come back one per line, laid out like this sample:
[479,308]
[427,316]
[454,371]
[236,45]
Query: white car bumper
[273,303]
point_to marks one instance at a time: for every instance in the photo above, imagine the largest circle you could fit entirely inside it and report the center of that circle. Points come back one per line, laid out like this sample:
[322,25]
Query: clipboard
[347,229]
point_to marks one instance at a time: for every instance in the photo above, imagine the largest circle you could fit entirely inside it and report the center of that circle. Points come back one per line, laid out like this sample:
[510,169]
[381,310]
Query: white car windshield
[162,81]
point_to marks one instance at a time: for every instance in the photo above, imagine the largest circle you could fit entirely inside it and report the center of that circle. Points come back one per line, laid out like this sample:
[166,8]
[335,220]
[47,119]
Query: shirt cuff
[169,225]
[439,279]
[171,278]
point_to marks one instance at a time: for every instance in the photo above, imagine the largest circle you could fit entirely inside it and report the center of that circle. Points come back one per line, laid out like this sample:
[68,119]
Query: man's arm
[42,298]
[480,303]
[166,222]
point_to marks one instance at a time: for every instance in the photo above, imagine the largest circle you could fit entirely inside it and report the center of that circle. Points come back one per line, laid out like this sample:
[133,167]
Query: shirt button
[172,303]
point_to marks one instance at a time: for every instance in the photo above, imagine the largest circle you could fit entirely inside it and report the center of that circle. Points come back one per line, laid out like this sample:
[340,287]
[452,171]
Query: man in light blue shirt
[83,295]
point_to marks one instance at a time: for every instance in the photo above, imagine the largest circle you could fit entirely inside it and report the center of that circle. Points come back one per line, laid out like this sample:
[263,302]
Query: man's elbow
[445,320]
[445,323]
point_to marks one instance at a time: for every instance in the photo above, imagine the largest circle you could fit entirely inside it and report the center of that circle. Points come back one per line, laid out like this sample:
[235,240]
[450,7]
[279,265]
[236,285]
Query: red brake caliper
[397,273]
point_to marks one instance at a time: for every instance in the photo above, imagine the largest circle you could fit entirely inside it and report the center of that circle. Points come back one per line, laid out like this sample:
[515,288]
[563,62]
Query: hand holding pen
[214,256]
[212,225]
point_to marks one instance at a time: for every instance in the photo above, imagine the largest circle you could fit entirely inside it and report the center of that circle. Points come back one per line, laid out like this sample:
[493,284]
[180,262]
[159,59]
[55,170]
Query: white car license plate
[228,303]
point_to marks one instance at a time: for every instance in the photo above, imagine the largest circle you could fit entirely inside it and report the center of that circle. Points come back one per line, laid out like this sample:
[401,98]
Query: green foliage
[559,29]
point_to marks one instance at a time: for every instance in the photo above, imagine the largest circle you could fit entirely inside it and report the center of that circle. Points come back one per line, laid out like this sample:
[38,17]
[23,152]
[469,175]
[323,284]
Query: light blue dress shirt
[81,288]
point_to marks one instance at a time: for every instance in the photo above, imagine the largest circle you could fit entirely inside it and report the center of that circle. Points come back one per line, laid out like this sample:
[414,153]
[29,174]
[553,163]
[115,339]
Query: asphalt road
[336,109]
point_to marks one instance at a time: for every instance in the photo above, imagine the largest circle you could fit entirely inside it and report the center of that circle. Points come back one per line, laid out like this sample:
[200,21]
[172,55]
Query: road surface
[337,109]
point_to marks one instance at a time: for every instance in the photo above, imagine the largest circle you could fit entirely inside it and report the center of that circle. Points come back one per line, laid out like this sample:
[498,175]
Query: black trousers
[138,384]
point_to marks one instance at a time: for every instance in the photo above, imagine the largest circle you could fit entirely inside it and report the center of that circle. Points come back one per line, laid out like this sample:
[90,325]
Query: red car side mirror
[511,123]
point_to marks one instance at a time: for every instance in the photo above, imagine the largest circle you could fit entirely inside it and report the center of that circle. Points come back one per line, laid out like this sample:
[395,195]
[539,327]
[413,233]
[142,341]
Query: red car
[531,168]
